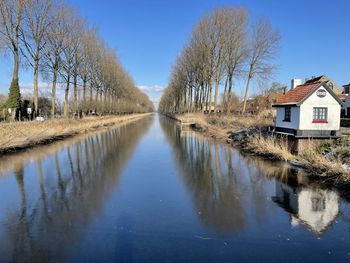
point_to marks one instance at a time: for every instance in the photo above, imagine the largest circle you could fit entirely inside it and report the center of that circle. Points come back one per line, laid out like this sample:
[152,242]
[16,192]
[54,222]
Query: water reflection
[227,188]
[208,172]
[74,177]
[182,198]
[316,208]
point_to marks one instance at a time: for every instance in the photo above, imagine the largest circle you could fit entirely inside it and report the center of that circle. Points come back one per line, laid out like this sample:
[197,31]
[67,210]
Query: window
[318,204]
[287,113]
[320,115]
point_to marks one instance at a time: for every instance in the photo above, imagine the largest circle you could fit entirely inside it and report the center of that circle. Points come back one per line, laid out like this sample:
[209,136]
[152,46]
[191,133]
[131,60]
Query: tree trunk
[66,94]
[216,94]
[53,98]
[36,76]
[75,85]
[246,94]
[15,65]
[84,93]
[210,96]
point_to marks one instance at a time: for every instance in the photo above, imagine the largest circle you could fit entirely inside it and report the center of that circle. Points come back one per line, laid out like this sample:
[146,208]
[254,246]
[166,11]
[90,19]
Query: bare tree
[53,50]
[217,49]
[37,19]
[58,44]
[264,45]
[71,44]
[89,40]
[11,16]
[236,51]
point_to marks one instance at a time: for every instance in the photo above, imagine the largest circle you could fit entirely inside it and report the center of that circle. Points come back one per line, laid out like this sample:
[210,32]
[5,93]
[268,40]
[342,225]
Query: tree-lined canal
[149,192]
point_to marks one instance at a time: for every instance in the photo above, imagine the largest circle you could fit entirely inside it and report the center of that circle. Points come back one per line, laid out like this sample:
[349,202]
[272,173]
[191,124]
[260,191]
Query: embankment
[328,162]
[21,135]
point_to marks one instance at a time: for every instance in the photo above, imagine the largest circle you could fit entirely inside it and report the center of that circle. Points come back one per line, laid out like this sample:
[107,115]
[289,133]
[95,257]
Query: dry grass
[228,122]
[321,166]
[26,134]
[269,146]
[204,126]
[237,122]
[332,166]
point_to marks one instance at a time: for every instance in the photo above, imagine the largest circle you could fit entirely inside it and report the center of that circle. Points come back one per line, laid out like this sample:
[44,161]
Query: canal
[150,192]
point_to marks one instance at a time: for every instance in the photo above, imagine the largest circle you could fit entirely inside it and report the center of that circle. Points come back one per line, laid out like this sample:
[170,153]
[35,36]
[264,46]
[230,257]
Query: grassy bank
[220,126]
[20,135]
[329,161]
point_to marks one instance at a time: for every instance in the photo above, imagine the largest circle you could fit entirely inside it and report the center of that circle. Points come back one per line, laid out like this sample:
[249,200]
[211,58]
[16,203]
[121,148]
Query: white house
[309,110]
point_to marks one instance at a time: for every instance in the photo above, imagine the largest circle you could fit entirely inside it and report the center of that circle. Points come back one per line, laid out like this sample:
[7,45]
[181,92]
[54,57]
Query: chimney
[295,83]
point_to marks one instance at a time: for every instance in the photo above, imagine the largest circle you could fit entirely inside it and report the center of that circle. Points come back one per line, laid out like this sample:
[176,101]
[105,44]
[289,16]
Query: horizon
[149,36]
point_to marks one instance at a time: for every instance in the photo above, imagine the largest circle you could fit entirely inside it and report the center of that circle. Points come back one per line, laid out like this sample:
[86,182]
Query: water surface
[149,192]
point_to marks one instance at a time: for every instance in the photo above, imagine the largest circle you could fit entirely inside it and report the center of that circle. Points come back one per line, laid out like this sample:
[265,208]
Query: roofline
[284,104]
[325,85]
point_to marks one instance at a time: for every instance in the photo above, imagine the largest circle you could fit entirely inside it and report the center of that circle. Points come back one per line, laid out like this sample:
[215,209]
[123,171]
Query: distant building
[331,84]
[346,99]
[346,89]
[314,208]
[345,109]
[261,103]
[210,108]
[310,110]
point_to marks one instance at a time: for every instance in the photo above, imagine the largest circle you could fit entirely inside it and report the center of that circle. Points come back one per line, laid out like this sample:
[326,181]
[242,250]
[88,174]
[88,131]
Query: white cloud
[28,88]
[154,92]
[155,88]
[44,88]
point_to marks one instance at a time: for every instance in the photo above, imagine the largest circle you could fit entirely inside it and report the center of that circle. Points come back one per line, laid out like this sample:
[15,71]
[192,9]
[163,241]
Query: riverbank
[21,135]
[329,162]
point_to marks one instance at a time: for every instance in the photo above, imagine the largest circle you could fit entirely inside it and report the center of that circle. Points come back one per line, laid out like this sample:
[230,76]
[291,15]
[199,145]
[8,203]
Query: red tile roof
[297,94]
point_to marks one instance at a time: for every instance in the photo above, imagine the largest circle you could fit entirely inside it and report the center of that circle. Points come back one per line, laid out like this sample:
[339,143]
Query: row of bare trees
[225,46]
[50,37]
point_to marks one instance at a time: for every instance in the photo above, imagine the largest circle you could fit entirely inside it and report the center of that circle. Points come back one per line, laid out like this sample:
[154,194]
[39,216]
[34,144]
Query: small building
[310,110]
[211,108]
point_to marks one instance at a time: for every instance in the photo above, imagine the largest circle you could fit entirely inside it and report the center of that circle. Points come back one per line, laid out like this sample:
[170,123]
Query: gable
[322,95]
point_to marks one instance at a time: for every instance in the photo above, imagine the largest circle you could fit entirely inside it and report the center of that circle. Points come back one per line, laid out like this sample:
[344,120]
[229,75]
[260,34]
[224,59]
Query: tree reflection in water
[207,172]
[227,187]
[86,170]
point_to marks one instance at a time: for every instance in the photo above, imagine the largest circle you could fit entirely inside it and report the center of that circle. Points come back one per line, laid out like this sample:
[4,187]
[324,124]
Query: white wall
[306,112]
[294,118]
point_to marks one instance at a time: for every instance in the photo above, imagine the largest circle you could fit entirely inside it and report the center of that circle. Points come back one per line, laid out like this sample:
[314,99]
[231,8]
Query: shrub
[14,98]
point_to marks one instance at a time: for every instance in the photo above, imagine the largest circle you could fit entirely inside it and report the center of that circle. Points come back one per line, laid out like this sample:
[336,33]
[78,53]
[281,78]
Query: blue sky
[148,36]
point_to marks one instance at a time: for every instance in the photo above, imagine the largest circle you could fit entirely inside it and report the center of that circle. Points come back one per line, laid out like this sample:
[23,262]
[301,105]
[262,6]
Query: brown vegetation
[220,125]
[21,135]
[327,161]
[269,146]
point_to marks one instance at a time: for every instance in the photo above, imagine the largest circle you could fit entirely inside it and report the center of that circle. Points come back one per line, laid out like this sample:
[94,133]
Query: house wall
[346,106]
[294,119]
[306,112]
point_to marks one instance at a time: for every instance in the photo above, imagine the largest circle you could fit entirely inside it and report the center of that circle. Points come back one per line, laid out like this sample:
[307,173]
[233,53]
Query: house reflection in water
[315,208]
